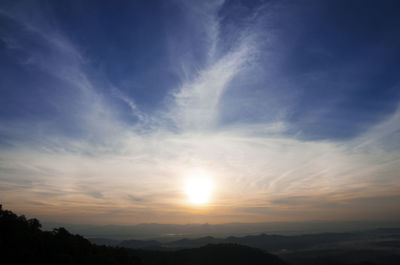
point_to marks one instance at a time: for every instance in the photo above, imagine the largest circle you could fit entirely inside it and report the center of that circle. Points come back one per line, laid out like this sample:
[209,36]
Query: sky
[289,108]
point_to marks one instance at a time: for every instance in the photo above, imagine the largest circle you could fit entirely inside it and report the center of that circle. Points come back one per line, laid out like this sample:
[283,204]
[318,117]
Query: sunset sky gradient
[290,107]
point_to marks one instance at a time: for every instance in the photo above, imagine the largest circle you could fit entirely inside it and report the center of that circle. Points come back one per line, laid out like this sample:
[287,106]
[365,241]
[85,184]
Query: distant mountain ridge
[263,241]
[23,242]
[271,243]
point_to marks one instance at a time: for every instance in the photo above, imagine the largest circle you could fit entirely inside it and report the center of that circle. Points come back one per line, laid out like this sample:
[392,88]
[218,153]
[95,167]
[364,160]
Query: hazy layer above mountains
[169,232]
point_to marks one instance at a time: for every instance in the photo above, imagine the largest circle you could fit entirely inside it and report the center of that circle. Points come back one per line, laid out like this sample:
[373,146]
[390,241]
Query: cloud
[139,168]
[196,102]
[130,102]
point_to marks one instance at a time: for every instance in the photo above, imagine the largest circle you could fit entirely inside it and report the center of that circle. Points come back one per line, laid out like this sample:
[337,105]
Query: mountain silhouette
[23,242]
[220,254]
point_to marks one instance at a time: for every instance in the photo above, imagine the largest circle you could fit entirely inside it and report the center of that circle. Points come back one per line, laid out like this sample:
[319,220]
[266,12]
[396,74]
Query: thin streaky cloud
[263,168]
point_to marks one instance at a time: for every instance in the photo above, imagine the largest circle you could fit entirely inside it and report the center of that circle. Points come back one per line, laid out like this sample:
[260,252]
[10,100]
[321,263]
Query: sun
[198,189]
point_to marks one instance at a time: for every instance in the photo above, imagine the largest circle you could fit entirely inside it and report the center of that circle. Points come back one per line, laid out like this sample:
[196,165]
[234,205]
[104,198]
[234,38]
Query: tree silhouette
[23,242]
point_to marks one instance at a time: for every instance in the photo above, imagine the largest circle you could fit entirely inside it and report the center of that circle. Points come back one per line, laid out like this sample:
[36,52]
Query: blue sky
[113,104]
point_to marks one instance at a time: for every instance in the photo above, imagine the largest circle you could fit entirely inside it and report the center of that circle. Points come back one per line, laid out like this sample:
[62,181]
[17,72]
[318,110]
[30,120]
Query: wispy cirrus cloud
[197,101]
[138,167]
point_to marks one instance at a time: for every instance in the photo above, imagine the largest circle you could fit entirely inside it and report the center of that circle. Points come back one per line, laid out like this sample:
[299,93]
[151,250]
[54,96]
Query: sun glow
[198,189]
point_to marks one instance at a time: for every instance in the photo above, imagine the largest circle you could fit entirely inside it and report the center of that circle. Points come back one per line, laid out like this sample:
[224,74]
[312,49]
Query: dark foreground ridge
[210,255]
[23,242]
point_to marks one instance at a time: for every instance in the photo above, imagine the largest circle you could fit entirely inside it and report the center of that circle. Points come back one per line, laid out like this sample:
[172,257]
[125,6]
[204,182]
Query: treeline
[23,242]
